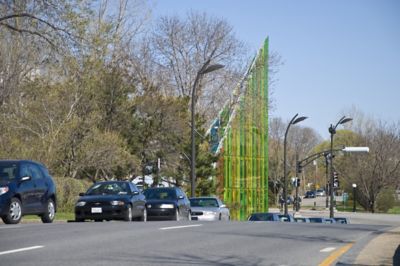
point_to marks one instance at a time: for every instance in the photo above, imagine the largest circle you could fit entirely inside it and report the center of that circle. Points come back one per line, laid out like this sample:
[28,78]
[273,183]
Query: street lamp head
[299,119]
[354,185]
[211,68]
[346,120]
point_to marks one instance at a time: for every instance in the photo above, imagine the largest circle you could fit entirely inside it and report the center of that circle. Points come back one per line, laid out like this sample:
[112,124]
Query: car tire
[50,213]
[14,213]
[128,214]
[220,217]
[143,218]
[79,220]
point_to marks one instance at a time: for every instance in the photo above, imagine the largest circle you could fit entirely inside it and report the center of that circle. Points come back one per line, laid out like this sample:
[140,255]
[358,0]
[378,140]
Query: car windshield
[203,202]
[8,171]
[160,194]
[108,189]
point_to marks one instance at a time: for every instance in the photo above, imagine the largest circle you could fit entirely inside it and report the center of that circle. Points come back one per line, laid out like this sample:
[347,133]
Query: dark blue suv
[26,187]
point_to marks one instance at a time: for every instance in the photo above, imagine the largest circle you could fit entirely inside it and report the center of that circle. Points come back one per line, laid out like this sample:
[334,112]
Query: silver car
[208,209]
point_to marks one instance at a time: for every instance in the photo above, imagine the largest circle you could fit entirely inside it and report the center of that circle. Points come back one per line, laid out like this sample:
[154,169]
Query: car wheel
[98,220]
[128,214]
[50,213]
[177,215]
[143,218]
[14,214]
[220,217]
[79,220]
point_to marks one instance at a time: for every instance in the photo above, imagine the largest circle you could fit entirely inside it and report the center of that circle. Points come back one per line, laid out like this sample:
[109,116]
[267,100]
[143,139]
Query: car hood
[91,198]
[209,209]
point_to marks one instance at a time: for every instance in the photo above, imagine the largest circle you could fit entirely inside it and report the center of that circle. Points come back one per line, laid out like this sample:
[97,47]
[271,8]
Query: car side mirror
[180,197]
[222,206]
[25,178]
[81,194]
[134,193]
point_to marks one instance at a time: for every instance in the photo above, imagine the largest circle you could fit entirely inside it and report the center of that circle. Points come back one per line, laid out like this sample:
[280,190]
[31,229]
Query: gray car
[208,209]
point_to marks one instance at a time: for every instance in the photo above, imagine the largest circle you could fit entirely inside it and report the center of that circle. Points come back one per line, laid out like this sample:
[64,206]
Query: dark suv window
[36,173]
[8,171]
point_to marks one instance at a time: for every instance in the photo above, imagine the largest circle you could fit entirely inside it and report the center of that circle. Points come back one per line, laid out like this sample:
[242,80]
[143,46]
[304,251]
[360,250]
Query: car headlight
[209,213]
[80,203]
[3,190]
[117,203]
[167,206]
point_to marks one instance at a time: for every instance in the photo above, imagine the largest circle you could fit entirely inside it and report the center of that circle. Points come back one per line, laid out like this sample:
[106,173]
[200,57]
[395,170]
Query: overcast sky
[337,54]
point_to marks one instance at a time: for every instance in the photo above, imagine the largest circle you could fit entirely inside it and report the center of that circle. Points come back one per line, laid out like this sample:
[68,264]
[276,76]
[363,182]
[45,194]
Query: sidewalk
[382,250]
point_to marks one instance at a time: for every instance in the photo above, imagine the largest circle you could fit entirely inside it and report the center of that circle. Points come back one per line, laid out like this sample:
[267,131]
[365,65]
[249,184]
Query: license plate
[97,210]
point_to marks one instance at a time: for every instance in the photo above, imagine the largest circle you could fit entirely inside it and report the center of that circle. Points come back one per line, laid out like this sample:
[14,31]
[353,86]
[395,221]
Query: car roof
[113,181]
[161,188]
[19,161]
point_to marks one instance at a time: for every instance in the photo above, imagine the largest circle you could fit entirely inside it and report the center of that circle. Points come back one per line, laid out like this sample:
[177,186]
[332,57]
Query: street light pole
[332,131]
[206,68]
[293,121]
[354,197]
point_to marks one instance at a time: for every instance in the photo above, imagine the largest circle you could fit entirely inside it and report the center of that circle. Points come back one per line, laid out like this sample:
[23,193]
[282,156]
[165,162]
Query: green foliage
[385,199]
[68,190]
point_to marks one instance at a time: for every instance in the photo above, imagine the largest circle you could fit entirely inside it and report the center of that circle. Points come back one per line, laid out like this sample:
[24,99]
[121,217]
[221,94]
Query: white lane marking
[328,249]
[19,250]
[178,227]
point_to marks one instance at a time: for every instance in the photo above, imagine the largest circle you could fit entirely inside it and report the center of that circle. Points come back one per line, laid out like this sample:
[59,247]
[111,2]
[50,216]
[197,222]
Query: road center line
[335,255]
[178,227]
[328,249]
[19,250]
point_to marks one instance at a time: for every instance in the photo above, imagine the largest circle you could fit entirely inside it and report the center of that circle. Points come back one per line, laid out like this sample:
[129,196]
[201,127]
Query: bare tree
[185,47]
[378,170]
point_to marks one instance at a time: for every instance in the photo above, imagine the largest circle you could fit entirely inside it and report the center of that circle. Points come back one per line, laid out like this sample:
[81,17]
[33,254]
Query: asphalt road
[181,243]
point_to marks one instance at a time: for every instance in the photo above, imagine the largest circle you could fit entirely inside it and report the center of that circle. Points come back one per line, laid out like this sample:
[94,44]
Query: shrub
[68,190]
[385,199]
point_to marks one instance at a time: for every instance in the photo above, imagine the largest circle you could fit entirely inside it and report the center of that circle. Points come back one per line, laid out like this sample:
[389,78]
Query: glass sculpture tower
[240,136]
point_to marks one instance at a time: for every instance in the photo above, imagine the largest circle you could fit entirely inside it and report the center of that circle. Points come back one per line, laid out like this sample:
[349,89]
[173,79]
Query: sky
[336,55]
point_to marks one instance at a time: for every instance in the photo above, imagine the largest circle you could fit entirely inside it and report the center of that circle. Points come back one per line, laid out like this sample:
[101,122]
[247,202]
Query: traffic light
[335,180]
[297,182]
[299,167]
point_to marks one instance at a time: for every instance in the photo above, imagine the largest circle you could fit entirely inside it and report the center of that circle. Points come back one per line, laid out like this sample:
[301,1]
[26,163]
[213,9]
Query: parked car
[208,209]
[330,220]
[320,193]
[286,218]
[265,216]
[342,220]
[309,194]
[111,200]
[271,217]
[26,187]
[321,220]
[167,203]
[302,219]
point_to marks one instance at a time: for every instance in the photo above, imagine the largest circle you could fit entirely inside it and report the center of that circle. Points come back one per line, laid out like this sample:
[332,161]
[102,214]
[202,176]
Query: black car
[26,187]
[111,200]
[342,220]
[309,195]
[167,203]
[265,216]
